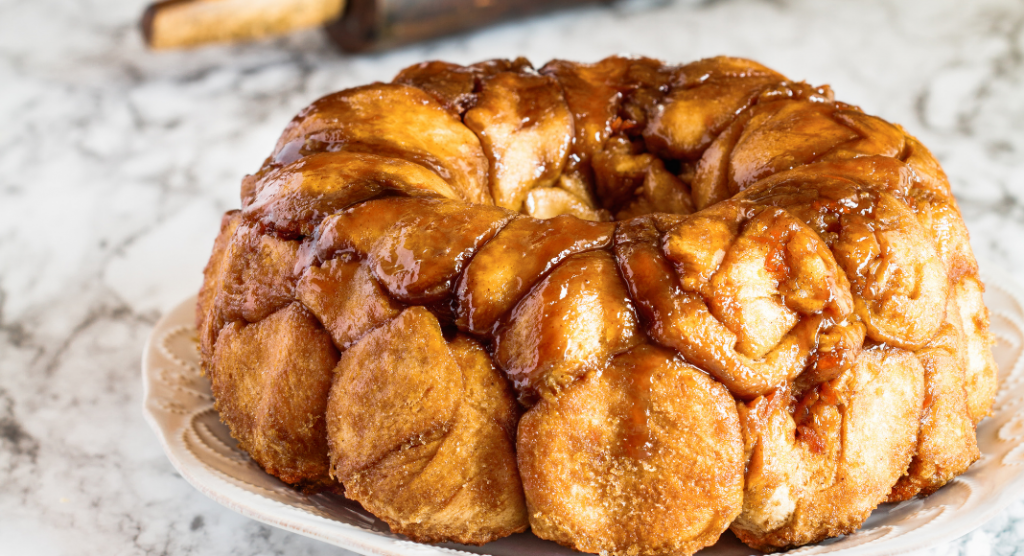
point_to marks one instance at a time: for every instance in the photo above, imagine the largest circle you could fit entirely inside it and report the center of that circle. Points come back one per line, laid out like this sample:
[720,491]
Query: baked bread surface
[627,304]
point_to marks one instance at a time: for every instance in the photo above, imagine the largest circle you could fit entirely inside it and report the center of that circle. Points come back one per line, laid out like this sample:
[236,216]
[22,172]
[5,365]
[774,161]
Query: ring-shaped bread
[628,304]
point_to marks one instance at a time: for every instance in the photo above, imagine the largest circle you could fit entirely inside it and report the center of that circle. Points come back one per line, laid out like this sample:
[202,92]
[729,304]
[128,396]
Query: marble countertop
[116,164]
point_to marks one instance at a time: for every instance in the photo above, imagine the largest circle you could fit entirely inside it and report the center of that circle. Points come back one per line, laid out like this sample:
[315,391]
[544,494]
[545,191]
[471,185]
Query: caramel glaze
[820,233]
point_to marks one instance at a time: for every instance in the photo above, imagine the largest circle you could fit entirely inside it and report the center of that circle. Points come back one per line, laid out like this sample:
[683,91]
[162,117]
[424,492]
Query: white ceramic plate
[179,406]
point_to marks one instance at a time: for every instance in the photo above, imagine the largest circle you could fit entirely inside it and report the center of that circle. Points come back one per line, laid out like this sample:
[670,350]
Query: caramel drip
[637,439]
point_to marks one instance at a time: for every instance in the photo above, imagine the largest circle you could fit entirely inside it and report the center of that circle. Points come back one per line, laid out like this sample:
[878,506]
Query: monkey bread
[625,304]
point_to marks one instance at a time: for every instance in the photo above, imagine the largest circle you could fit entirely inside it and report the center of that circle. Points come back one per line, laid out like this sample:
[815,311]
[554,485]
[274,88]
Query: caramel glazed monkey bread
[625,304]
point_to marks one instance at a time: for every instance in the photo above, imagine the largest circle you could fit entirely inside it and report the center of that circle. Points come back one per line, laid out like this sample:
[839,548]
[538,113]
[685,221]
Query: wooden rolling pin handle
[185,23]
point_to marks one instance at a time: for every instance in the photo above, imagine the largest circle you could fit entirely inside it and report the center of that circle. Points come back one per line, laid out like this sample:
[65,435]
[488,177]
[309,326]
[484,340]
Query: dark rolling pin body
[381,24]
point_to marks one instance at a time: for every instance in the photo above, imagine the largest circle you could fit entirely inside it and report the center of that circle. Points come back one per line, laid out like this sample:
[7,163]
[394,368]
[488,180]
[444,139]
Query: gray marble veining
[116,163]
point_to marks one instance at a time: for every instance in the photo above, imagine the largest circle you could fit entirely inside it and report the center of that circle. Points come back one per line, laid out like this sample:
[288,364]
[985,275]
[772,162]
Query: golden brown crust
[419,434]
[642,458]
[525,129]
[808,257]
[632,183]
[819,464]
[346,298]
[946,443]
[456,86]
[515,259]
[570,323]
[209,319]
[293,199]
[706,95]
[420,131]
[981,383]
[270,380]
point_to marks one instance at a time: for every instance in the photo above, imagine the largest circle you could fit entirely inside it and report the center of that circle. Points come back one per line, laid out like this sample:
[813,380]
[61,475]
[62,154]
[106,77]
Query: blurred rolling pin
[355,25]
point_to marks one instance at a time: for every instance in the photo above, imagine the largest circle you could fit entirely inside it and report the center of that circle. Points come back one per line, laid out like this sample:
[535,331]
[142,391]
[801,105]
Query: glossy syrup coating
[627,304]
